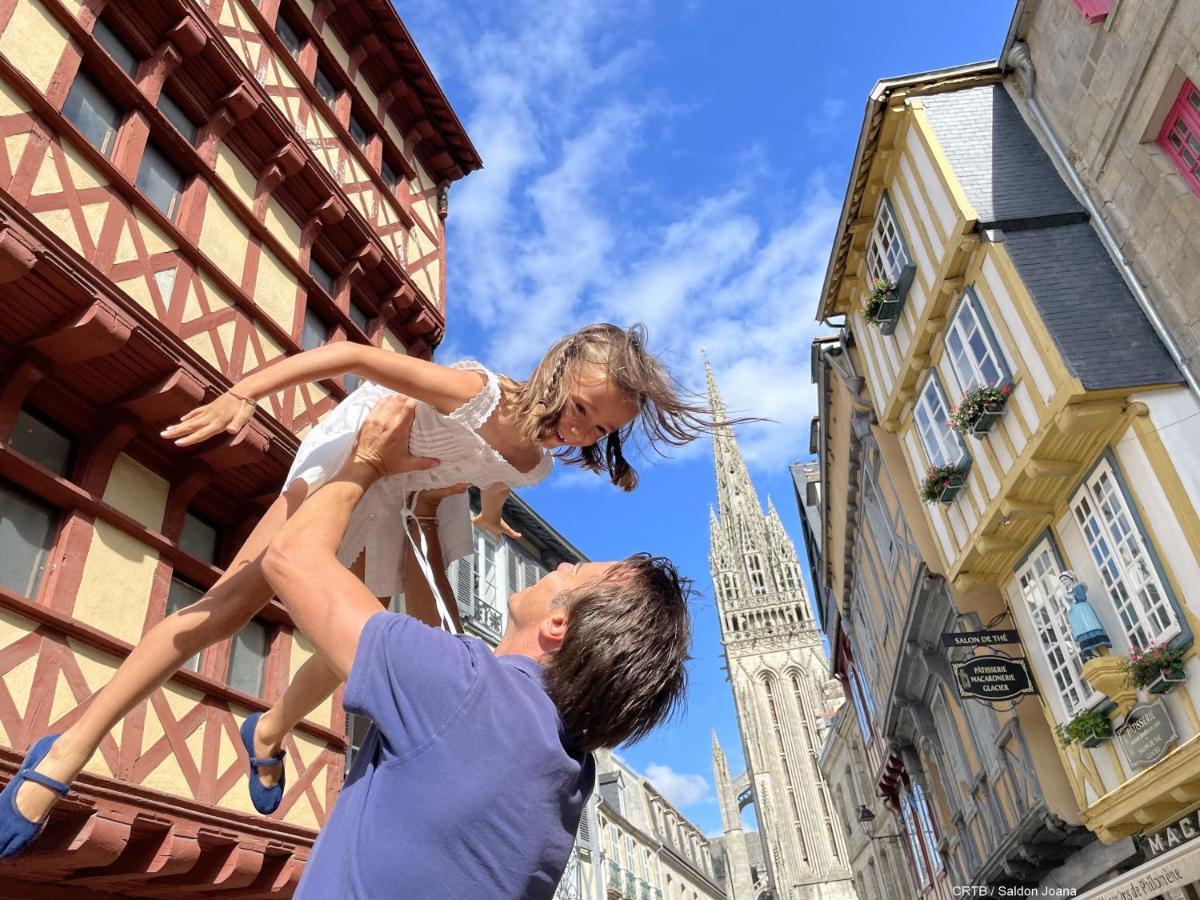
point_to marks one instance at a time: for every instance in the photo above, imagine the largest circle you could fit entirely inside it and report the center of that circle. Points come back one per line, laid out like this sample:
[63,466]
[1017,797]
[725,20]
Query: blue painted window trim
[971,296]
[1185,638]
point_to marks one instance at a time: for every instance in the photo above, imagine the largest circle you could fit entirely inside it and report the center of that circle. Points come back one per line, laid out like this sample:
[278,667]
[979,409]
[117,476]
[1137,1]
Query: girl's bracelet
[237,396]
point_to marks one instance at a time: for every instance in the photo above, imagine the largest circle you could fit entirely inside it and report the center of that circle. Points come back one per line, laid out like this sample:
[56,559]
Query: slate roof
[1002,168]
[1099,329]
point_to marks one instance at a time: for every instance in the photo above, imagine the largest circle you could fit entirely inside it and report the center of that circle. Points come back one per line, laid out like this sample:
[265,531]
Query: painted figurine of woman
[1086,629]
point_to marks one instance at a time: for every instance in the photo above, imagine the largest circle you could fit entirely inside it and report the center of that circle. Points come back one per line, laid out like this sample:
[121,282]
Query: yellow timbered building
[992,361]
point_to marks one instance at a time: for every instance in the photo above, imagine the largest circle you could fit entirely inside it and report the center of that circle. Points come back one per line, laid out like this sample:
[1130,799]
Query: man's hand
[429,500]
[382,442]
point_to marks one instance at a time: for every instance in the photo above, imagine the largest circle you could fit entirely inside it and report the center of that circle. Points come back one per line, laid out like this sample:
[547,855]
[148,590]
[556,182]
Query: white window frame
[1128,565]
[969,364]
[942,444]
[887,250]
[1037,585]
[885,535]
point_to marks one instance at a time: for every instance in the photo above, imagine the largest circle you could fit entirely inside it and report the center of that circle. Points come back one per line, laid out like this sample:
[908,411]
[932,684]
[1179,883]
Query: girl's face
[595,407]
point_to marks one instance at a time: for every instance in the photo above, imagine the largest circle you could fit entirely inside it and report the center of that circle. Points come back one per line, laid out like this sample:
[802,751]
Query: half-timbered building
[993,360]
[188,192]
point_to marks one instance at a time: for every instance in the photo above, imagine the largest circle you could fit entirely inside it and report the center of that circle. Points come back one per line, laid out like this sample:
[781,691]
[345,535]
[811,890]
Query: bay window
[1128,565]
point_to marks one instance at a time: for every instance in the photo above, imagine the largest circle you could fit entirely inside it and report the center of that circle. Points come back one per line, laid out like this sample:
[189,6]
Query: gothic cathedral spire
[779,675]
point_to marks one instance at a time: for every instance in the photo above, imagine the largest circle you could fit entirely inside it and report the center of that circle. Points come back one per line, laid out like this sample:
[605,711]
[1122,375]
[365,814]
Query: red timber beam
[135,842]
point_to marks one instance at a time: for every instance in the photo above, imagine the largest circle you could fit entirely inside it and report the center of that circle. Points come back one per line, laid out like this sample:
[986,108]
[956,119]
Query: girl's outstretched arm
[443,388]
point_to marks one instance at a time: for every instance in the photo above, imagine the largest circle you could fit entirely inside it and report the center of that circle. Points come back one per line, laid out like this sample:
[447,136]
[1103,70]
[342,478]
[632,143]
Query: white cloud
[679,788]
[564,225]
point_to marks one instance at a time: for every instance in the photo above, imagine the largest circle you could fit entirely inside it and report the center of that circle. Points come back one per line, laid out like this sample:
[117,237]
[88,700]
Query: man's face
[529,607]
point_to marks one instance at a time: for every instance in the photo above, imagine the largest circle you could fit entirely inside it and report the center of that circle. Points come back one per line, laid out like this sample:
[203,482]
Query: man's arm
[324,599]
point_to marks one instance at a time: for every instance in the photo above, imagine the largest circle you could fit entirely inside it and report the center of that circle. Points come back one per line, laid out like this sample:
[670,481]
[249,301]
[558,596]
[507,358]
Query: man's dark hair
[620,669]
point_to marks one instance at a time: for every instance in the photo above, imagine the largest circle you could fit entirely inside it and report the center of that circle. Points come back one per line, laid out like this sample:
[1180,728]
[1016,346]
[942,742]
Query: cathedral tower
[779,674]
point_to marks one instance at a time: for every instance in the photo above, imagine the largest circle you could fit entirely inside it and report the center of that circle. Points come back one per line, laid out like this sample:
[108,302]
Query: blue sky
[679,164]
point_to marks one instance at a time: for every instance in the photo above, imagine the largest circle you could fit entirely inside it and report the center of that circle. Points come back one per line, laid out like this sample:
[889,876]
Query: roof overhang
[881,97]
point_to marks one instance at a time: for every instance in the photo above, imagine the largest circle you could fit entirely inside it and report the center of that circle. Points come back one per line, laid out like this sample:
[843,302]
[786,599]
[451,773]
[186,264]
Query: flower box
[886,302]
[979,410]
[942,484]
[1088,729]
[1096,738]
[1167,680]
[1156,668]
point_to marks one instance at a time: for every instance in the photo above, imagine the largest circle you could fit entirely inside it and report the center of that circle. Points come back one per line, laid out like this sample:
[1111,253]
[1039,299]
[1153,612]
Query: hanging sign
[993,678]
[979,638]
[1147,734]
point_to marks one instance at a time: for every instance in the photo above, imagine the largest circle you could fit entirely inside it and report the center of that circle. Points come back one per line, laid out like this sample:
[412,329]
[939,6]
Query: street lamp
[866,819]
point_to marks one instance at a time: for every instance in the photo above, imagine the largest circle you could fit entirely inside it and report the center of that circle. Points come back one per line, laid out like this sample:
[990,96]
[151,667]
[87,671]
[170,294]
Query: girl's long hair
[668,414]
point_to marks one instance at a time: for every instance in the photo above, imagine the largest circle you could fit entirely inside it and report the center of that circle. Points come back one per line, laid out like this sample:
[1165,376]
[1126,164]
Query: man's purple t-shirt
[467,786]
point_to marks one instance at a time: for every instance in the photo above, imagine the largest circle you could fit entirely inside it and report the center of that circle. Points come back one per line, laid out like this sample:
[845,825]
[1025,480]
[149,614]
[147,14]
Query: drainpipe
[1018,57]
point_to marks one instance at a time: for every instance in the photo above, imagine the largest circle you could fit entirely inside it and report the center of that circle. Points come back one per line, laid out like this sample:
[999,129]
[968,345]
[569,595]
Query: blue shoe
[16,831]
[265,799]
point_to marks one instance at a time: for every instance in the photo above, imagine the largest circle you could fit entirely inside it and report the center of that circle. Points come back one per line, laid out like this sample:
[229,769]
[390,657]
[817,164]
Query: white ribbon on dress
[421,552]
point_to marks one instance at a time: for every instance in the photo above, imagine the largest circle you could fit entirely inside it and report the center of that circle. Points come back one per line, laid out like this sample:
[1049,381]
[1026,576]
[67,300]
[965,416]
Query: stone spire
[734,490]
[778,672]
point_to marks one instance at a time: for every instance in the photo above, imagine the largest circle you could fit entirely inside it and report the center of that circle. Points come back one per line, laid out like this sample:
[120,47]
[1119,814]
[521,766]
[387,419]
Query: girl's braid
[564,357]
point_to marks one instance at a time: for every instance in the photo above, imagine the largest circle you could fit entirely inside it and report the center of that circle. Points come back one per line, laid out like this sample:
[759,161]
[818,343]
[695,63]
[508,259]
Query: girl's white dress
[377,524]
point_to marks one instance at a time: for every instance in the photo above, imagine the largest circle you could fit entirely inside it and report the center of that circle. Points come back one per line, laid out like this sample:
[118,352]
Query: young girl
[589,394]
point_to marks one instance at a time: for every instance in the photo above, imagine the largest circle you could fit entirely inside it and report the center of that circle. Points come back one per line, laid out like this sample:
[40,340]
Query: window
[160,180]
[390,176]
[42,442]
[360,135]
[248,658]
[1127,564]
[181,594]
[864,710]
[176,116]
[912,832]
[325,87]
[199,539]
[1180,135]
[1041,591]
[321,275]
[929,835]
[886,251]
[359,317]
[316,331]
[882,530]
[89,109]
[27,529]
[288,35]
[758,584]
[487,586]
[27,526]
[972,347]
[943,446]
[115,47]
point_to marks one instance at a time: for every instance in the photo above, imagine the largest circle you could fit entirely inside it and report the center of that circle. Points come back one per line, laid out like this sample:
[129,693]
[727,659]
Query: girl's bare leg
[313,683]
[231,603]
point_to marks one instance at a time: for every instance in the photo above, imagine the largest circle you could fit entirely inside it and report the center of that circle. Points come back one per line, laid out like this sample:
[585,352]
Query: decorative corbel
[188,37]
[17,258]
[97,331]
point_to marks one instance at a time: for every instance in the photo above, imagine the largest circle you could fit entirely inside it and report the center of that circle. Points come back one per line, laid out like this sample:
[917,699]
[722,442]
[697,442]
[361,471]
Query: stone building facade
[187,193]
[782,692]
[640,847]
[1116,81]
